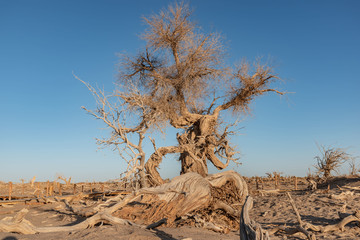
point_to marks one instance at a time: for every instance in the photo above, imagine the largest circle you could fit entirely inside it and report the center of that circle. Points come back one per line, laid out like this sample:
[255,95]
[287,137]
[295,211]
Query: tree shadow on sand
[10,238]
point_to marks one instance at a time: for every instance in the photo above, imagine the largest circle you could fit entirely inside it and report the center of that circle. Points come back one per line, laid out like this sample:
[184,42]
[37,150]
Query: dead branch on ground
[249,229]
[182,196]
[305,227]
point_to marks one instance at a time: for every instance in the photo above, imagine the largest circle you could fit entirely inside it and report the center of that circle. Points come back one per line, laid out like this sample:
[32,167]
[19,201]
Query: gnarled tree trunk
[199,143]
[183,195]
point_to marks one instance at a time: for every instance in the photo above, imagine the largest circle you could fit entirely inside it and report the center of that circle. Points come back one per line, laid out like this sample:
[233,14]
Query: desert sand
[271,209]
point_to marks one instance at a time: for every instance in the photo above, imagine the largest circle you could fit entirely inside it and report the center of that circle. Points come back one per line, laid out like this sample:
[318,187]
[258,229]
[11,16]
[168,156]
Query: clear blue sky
[43,131]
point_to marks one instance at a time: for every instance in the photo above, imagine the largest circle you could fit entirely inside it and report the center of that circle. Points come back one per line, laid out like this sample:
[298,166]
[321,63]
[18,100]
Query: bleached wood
[186,193]
[249,229]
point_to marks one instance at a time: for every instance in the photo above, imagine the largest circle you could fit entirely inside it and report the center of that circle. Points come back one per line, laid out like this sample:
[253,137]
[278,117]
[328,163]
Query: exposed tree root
[164,204]
[188,193]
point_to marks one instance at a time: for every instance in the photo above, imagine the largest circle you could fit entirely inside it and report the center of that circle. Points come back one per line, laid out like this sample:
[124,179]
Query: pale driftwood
[249,229]
[287,230]
[312,185]
[355,217]
[6,205]
[17,224]
[12,202]
[184,193]
[69,198]
[225,207]
[346,219]
[196,191]
[20,225]
[330,202]
[210,226]
[83,212]
[307,234]
[298,217]
[300,227]
[352,188]
[347,195]
[196,188]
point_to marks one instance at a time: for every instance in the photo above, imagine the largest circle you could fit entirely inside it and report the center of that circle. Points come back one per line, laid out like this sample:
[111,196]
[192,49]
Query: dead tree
[180,80]
[330,160]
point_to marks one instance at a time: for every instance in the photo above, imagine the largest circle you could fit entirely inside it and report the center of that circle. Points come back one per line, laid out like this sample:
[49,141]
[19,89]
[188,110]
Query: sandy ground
[44,215]
[270,210]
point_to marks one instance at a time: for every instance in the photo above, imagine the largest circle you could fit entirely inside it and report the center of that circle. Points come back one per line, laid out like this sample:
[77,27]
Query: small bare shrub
[66,180]
[354,167]
[330,160]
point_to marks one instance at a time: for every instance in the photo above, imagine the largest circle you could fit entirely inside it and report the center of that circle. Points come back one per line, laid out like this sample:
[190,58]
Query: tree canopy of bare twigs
[180,80]
[330,159]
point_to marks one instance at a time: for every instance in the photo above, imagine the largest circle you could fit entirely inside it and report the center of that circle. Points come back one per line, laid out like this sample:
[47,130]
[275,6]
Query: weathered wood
[312,185]
[20,225]
[298,217]
[347,195]
[17,224]
[352,188]
[307,234]
[184,194]
[355,217]
[21,199]
[225,207]
[249,229]
[301,225]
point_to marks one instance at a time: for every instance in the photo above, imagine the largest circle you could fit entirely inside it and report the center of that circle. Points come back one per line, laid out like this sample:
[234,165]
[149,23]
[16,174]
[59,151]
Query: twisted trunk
[154,161]
[196,145]
[201,142]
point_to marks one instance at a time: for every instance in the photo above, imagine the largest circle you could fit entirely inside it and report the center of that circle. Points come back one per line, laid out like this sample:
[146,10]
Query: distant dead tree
[66,180]
[180,80]
[330,160]
[354,167]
